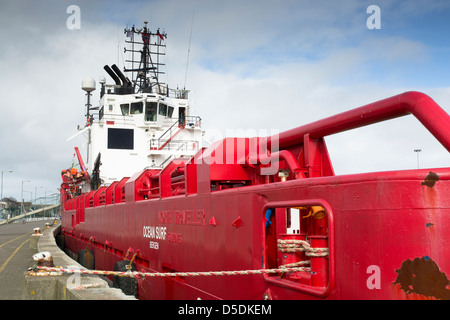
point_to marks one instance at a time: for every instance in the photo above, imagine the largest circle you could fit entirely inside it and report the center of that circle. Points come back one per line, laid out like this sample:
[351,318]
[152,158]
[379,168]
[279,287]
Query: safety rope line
[137,274]
[283,246]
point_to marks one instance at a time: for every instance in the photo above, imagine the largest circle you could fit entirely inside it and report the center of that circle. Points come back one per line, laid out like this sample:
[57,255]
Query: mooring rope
[301,246]
[283,246]
[170,274]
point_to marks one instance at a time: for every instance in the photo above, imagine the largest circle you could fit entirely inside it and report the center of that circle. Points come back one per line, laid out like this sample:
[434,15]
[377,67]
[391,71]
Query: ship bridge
[137,131]
[141,123]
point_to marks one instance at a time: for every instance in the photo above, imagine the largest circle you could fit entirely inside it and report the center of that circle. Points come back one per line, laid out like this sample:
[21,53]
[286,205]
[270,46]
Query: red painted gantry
[232,206]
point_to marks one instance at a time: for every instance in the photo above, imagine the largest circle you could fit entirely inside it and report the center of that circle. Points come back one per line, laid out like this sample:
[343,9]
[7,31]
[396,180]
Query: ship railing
[169,133]
[169,158]
[123,120]
[189,121]
[183,145]
[193,122]
[178,93]
[176,145]
[159,88]
[166,138]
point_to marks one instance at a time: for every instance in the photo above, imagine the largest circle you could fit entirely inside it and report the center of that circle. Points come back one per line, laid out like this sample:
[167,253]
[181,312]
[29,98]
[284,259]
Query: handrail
[168,131]
[162,142]
[428,112]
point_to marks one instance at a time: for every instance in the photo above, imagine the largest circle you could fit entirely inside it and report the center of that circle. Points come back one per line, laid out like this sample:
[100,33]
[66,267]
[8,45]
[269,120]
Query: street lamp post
[21,203]
[1,194]
[35,199]
[417,151]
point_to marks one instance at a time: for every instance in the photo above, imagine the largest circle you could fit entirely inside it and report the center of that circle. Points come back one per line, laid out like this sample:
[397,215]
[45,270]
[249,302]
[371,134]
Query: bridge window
[150,111]
[136,107]
[162,109]
[170,112]
[125,108]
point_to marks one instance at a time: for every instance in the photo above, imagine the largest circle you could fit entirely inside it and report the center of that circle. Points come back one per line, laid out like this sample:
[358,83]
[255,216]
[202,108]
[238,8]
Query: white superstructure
[141,123]
[137,131]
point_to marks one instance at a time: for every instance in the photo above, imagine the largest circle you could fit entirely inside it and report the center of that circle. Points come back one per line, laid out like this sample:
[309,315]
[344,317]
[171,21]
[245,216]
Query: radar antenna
[145,70]
[88,85]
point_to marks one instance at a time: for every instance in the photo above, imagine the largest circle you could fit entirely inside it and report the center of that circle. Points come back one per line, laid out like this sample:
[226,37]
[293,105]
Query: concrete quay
[65,286]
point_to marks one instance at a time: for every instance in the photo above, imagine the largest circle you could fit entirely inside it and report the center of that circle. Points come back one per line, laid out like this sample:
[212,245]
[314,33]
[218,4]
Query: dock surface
[16,256]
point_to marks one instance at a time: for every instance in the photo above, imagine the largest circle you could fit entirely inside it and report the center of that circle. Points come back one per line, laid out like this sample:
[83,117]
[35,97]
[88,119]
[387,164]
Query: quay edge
[56,287]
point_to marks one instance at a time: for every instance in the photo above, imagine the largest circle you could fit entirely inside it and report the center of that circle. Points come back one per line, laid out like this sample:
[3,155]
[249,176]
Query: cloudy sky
[254,67]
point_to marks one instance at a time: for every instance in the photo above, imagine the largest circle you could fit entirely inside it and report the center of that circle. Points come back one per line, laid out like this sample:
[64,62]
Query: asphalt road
[15,257]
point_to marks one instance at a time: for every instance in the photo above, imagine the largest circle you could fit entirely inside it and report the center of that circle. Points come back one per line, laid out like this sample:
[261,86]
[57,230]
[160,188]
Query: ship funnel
[125,81]
[112,74]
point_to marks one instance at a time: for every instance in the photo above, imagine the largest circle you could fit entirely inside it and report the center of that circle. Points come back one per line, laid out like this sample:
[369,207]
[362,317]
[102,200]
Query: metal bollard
[292,257]
[319,265]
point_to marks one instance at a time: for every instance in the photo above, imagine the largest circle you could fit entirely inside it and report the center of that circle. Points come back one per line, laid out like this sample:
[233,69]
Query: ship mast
[145,66]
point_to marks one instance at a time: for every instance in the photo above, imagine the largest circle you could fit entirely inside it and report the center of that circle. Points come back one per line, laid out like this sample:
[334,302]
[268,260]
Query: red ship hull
[384,233]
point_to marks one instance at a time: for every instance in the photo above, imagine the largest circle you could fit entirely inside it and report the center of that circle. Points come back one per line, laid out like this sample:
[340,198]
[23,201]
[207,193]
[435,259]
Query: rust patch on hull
[430,179]
[422,276]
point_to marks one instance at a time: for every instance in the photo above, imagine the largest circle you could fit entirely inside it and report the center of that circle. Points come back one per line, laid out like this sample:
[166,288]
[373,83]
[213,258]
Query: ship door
[299,235]
[181,116]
